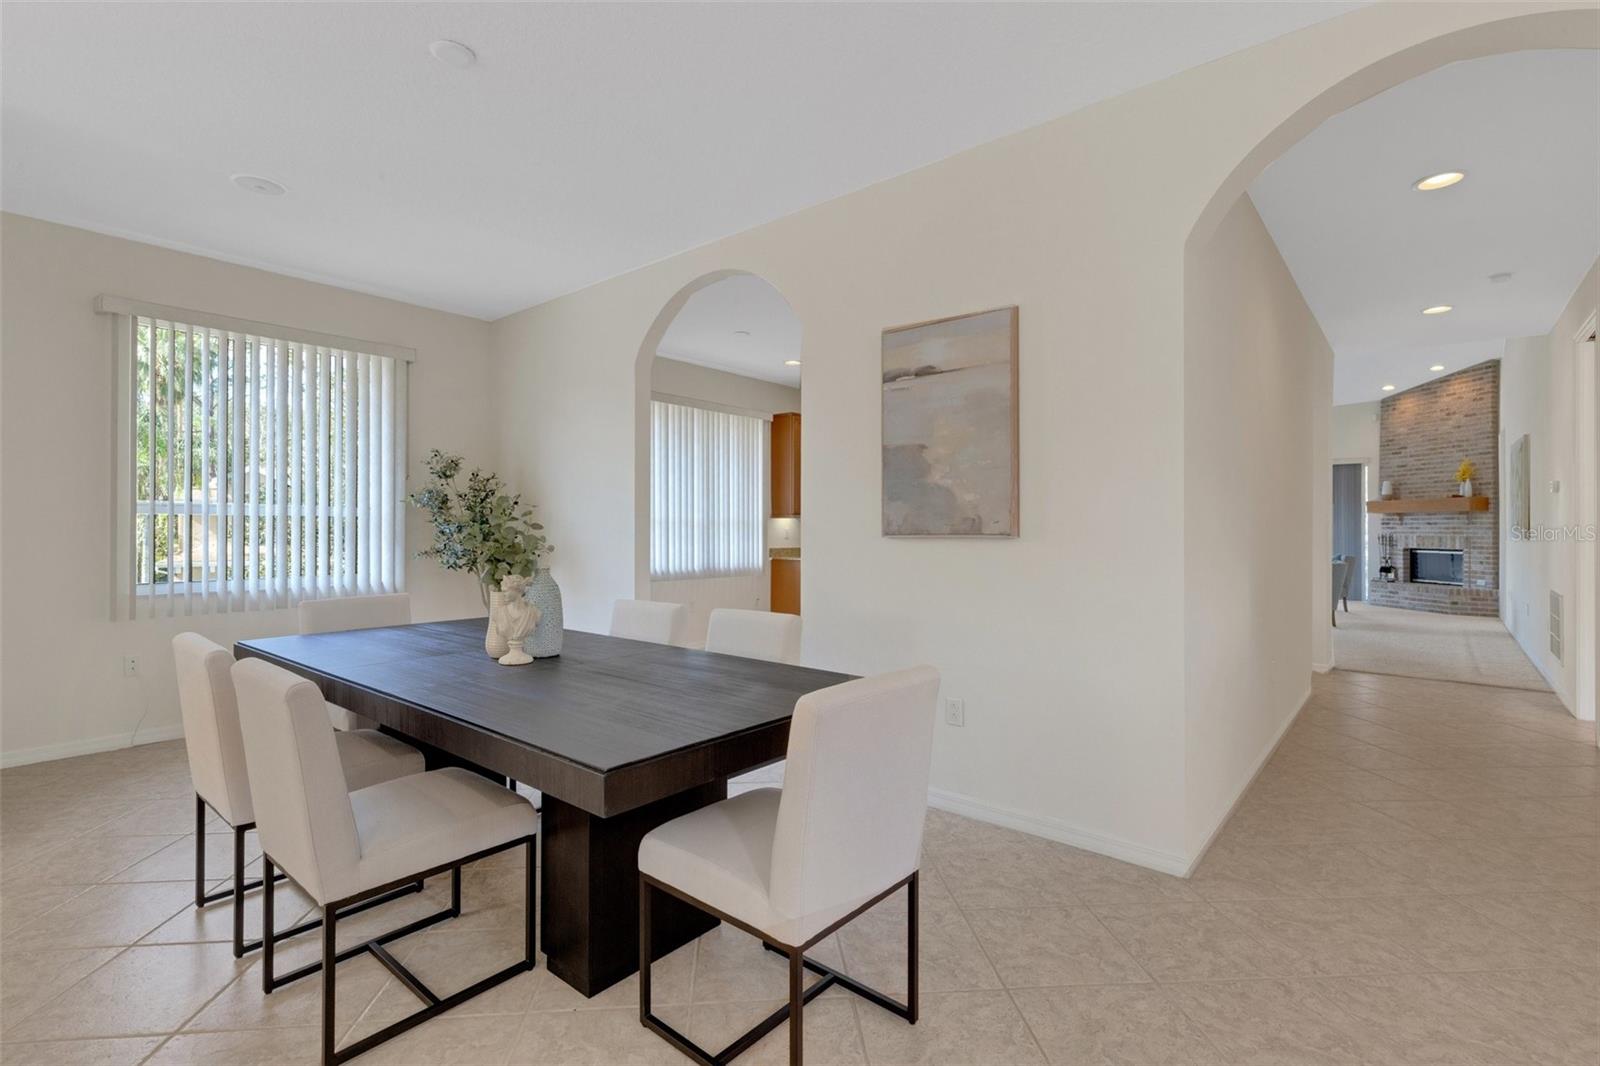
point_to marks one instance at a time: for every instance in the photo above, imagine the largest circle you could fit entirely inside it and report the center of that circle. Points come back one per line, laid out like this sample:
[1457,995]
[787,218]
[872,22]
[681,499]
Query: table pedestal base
[589,925]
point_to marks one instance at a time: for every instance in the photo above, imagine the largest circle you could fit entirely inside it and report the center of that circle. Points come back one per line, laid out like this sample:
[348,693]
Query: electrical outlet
[955,711]
[130,666]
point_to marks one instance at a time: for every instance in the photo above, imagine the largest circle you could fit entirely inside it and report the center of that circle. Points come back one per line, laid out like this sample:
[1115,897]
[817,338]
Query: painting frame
[1002,503]
[1519,488]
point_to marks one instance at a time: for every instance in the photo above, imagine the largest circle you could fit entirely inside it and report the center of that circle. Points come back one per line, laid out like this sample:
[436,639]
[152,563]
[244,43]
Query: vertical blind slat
[386,492]
[281,464]
[207,340]
[295,467]
[172,510]
[358,528]
[134,559]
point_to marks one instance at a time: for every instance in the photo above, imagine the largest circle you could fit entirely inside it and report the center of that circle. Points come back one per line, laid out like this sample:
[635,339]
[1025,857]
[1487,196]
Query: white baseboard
[1161,861]
[1051,829]
[51,752]
[1261,762]
[1321,668]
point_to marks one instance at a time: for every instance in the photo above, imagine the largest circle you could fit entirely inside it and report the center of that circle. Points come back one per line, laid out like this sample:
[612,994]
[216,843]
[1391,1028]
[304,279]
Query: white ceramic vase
[1466,487]
[493,643]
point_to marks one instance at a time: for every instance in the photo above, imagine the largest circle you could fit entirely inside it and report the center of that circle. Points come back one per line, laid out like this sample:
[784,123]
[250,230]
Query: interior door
[1349,518]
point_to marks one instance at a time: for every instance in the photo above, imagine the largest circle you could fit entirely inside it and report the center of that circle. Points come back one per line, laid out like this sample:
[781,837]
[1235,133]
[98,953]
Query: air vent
[1555,625]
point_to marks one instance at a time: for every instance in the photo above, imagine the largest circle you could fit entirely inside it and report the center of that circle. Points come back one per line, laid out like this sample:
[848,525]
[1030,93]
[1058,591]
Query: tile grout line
[1012,999]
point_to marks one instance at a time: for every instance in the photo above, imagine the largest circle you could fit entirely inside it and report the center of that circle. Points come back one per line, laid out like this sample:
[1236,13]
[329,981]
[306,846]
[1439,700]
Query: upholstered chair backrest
[355,612]
[855,791]
[767,635]
[659,623]
[303,811]
[211,726]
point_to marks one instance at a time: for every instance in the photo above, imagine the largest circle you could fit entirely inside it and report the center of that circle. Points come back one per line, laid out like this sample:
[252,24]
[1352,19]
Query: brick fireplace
[1423,433]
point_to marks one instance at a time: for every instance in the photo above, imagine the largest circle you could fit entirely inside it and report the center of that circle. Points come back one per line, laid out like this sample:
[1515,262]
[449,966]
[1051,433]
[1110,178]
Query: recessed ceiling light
[1438,309]
[791,362]
[1388,388]
[741,333]
[256,183]
[453,54]
[1500,278]
[1436,367]
[1438,181]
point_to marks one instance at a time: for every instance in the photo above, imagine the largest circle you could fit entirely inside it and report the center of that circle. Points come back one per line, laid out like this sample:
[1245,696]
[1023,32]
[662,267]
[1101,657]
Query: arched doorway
[1541,30]
[718,383]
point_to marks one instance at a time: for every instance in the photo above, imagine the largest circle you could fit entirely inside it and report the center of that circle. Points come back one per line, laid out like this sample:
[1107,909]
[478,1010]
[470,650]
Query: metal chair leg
[434,1005]
[330,969]
[199,851]
[267,939]
[529,935]
[797,1003]
[793,1011]
[911,948]
[238,893]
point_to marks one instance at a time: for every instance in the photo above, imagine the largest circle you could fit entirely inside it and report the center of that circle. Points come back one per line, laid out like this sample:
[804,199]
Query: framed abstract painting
[950,429]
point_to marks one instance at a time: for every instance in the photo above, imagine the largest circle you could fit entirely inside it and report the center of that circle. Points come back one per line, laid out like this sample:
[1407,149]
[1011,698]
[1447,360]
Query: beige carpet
[1443,647]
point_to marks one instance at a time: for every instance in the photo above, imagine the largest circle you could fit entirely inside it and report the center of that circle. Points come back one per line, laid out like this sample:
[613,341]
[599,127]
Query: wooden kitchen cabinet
[786,586]
[786,465]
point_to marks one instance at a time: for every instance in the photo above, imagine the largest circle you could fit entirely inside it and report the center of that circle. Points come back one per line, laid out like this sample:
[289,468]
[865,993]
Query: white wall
[1069,642]
[1353,433]
[672,378]
[1538,396]
[1255,365]
[1353,438]
[63,690]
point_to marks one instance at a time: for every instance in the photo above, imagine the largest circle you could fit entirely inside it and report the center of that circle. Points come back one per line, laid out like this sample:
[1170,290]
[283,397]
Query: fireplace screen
[1434,566]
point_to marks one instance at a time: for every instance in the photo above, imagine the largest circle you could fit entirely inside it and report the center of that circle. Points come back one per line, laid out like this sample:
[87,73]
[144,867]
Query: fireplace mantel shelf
[1438,505]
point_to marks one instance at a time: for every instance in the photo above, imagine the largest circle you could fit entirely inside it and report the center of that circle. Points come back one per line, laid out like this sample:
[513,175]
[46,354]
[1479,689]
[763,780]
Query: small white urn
[516,619]
[1466,487]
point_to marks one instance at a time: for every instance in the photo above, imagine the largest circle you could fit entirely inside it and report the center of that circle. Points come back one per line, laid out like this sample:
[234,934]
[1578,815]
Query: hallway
[1443,647]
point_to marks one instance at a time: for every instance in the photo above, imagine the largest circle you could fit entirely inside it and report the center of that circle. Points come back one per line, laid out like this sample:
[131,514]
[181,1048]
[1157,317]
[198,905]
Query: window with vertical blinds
[707,514]
[259,470]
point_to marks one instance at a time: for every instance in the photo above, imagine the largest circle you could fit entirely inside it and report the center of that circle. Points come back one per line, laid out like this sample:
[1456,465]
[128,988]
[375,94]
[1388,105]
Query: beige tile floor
[1415,877]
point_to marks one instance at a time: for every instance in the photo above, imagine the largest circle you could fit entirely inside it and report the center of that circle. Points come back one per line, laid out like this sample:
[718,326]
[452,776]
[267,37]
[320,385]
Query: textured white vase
[1466,487]
[545,594]
[493,643]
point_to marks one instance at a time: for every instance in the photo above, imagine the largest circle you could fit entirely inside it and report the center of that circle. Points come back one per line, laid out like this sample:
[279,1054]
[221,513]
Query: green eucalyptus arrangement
[480,528]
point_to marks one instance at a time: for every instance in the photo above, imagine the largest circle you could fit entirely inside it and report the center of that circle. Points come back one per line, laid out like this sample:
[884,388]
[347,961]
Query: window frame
[130,599]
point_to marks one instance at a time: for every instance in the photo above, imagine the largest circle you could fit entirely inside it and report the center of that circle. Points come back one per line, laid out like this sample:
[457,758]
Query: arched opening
[717,454]
[1259,496]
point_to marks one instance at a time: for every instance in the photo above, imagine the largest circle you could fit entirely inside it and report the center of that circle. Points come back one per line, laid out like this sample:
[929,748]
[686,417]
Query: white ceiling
[707,331]
[1369,252]
[589,139]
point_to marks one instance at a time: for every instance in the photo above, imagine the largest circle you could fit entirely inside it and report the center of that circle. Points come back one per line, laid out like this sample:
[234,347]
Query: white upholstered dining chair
[651,620]
[791,866]
[213,737]
[345,847]
[769,635]
[339,613]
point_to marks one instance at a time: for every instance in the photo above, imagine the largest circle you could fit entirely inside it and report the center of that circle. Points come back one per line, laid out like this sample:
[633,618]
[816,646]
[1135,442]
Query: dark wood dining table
[619,736]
